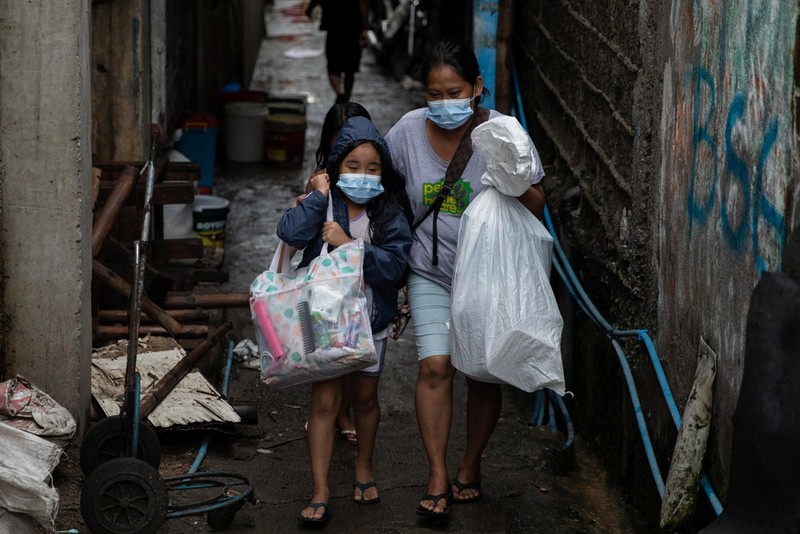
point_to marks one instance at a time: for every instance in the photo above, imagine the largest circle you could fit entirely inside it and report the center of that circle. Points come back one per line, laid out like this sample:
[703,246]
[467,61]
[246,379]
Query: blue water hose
[568,421]
[573,285]
[201,454]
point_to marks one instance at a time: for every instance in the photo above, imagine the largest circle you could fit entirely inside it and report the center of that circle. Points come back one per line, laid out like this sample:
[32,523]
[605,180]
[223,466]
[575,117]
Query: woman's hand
[533,199]
[298,200]
[309,188]
[333,234]
[321,182]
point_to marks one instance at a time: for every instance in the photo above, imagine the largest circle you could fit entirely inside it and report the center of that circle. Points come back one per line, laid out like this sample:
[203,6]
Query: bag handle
[454,171]
[284,254]
[329,217]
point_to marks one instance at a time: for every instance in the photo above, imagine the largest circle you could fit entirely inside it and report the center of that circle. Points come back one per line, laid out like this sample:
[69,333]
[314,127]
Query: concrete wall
[676,121]
[592,93]
[728,183]
[45,217]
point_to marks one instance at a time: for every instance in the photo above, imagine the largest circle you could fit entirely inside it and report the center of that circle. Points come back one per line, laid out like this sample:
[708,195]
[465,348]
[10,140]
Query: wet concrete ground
[530,482]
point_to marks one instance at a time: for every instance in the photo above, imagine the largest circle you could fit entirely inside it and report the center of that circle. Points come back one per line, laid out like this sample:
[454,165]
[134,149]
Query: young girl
[369,201]
[337,115]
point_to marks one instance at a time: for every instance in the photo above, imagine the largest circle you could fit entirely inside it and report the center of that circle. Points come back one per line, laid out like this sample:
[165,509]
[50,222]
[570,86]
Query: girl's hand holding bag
[312,324]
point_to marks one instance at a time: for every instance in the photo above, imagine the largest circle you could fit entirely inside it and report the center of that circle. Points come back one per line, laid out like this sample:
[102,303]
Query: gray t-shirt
[424,170]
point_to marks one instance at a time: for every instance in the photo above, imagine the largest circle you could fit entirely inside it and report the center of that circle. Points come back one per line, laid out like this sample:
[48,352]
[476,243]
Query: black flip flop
[317,520]
[421,510]
[364,486]
[461,486]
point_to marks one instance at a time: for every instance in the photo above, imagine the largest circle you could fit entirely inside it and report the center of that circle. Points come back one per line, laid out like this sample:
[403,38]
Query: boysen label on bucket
[210,214]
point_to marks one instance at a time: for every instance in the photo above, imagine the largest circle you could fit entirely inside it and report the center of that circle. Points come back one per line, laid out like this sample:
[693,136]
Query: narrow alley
[532,483]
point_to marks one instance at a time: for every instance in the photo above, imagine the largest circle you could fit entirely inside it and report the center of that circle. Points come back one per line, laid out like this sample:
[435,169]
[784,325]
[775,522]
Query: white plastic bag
[508,151]
[281,261]
[506,325]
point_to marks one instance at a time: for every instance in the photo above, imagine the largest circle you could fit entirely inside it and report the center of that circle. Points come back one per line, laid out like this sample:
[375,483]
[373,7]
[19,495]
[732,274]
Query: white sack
[506,324]
[26,466]
[508,151]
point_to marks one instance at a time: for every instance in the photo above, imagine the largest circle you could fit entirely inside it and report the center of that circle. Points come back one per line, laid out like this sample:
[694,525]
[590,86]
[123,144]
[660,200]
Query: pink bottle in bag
[268,330]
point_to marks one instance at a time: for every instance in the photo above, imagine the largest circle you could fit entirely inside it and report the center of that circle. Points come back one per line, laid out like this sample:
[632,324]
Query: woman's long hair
[334,120]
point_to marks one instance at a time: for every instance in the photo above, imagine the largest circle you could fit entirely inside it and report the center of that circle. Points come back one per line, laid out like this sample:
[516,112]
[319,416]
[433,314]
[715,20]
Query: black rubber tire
[103,442]
[124,496]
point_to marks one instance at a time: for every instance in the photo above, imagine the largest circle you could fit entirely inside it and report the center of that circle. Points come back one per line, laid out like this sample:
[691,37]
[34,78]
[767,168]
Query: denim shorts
[430,315]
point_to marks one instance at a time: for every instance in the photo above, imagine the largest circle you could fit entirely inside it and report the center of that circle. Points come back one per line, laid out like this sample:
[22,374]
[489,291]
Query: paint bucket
[287,104]
[285,139]
[210,214]
[244,131]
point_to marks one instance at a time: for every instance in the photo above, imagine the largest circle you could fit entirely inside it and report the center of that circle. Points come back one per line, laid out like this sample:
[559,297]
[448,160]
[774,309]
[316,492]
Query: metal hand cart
[123,491]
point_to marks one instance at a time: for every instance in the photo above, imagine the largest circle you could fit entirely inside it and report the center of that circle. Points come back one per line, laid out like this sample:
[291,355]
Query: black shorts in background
[343,53]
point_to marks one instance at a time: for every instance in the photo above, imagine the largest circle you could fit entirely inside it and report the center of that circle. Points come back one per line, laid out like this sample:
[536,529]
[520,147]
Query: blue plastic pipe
[201,454]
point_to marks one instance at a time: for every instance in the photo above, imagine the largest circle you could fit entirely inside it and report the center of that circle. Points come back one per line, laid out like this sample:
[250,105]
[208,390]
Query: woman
[369,202]
[422,144]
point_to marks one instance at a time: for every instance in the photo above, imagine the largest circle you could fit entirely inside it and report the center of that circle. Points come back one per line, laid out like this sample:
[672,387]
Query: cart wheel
[124,496]
[222,518]
[103,442]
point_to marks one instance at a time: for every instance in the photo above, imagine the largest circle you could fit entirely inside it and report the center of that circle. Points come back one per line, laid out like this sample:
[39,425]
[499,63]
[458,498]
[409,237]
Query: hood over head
[354,131]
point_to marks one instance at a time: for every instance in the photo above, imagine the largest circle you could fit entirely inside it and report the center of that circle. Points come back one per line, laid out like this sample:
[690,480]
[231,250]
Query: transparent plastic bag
[312,324]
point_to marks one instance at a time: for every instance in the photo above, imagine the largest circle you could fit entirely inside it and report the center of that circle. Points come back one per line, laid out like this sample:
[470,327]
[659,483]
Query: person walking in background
[345,22]
[423,142]
[369,202]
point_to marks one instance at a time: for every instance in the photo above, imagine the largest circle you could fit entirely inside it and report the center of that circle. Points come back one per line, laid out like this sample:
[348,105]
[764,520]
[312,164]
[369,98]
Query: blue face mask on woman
[450,113]
[360,188]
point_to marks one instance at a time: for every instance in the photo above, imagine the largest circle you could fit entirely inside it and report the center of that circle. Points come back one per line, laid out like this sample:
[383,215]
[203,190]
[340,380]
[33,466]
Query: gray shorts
[430,315]
[376,368]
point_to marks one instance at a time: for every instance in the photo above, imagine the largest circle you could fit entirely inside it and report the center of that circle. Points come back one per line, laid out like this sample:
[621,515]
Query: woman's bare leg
[484,401]
[434,402]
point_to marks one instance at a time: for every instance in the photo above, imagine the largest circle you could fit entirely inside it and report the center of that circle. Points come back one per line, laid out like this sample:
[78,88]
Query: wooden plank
[111,280]
[173,170]
[120,79]
[191,316]
[167,192]
[111,209]
[208,300]
[177,249]
[113,332]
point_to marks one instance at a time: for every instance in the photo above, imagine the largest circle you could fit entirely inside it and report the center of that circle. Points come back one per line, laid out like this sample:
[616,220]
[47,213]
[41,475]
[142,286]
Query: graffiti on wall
[729,154]
[732,88]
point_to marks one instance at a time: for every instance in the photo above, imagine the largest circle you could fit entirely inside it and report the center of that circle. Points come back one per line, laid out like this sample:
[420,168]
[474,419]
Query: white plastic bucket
[210,215]
[244,131]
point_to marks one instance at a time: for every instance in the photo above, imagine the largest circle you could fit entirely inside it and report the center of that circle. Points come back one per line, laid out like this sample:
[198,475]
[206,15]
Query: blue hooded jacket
[385,261]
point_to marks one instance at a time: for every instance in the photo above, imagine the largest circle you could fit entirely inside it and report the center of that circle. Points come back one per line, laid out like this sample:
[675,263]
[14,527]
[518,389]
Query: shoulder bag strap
[454,171]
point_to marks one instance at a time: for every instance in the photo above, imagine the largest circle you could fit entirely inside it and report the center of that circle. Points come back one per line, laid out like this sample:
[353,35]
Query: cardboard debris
[193,401]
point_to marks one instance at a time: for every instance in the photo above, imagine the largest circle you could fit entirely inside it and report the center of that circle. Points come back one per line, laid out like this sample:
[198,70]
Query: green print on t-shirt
[455,203]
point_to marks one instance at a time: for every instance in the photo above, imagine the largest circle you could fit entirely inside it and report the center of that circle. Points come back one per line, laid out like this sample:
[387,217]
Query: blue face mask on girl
[450,113]
[360,188]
